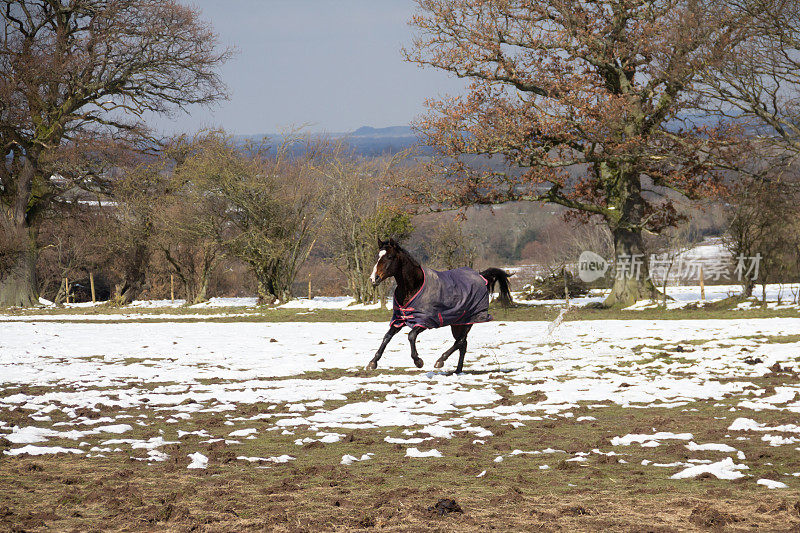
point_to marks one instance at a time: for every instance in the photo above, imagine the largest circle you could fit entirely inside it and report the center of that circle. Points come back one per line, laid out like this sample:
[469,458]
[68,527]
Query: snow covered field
[170,372]
[668,403]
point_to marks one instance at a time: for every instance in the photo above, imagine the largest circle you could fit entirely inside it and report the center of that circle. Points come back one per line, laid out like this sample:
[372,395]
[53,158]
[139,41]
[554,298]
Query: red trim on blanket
[400,307]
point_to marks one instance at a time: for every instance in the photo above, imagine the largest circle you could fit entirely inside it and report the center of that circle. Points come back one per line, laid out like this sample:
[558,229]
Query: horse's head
[388,263]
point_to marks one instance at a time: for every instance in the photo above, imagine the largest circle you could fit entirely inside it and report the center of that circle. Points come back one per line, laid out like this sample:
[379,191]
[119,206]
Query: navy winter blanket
[451,297]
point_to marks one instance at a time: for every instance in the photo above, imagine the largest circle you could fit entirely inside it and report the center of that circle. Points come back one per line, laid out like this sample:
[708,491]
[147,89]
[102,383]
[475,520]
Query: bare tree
[271,204]
[359,212]
[189,225]
[447,246]
[73,71]
[70,247]
[182,235]
[761,214]
[139,193]
[671,246]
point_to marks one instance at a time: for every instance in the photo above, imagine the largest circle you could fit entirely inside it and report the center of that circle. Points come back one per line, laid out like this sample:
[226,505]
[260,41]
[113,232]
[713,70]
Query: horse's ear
[380,243]
[393,242]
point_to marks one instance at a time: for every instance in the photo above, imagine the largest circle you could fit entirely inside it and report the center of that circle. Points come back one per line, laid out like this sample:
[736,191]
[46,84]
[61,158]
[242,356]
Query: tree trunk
[274,282]
[632,277]
[361,287]
[127,291]
[267,294]
[189,292]
[18,285]
[207,268]
[18,279]
[196,287]
[200,295]
[747,287]
[282,286]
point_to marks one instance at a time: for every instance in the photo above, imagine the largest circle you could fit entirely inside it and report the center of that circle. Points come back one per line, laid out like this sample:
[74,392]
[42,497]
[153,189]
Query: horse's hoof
[438,364]
[372,365]
[419,362]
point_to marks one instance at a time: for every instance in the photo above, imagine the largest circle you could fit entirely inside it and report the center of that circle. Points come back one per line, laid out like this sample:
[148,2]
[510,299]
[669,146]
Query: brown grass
[393,493]
[71,494]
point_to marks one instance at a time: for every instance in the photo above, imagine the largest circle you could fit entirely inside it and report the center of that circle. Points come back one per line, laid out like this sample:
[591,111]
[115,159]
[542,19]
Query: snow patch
[414,452]
[647,440]
[772,484]
[41,450]
[725,469]
[198,460]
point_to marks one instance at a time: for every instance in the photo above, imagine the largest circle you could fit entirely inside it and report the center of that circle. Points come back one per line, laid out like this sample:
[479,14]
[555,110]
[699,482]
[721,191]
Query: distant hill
[379,141]
[366,140]
[391,131]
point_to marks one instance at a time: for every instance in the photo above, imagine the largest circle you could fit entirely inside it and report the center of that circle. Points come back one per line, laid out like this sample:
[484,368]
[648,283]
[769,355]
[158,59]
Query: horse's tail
[499,276]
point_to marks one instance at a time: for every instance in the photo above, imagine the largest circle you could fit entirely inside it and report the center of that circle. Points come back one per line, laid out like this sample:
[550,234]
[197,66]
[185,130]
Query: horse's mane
[408,255]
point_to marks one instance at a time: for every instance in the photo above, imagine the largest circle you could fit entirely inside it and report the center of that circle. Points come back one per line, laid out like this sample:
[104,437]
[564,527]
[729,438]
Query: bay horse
[426,299]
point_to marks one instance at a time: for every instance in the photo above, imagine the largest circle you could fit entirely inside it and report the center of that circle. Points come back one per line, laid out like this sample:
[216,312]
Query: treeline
[215,218]
[207,215]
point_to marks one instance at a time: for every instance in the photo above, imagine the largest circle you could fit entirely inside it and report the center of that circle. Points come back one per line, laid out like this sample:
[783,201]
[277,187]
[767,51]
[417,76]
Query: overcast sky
[335,64]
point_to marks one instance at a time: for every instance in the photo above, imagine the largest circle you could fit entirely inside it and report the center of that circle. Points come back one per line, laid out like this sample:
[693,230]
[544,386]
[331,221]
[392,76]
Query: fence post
[172,288]
[66,290]
[309,287]
[702,284]
[91,284]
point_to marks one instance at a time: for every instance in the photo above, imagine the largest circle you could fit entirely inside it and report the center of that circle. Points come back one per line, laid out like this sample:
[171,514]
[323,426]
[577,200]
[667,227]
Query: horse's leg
[412,339]
[458,333]
[462,347]
[373,364]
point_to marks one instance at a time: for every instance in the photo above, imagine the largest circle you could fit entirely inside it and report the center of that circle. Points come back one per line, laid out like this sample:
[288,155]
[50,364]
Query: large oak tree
[83,70]
[584,103]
